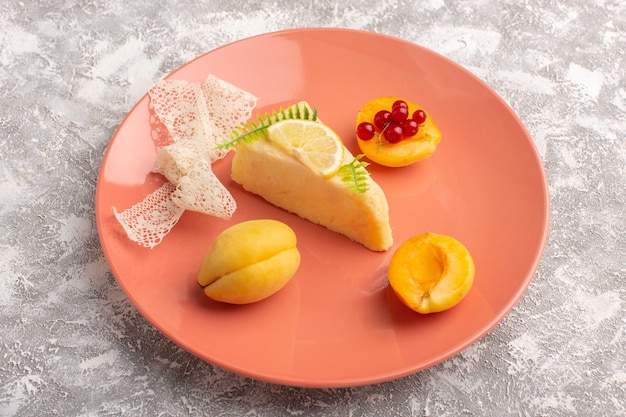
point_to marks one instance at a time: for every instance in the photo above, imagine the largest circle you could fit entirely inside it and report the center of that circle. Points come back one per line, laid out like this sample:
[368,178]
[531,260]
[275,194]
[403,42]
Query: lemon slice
[313,143]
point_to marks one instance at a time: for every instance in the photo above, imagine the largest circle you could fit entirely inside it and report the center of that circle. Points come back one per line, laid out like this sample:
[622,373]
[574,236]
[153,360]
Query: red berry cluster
[393,125]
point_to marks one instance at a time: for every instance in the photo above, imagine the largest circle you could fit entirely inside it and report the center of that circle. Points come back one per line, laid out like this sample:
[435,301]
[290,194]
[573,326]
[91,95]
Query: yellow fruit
[431,273]
[249,262]
[313,143]
[408,150]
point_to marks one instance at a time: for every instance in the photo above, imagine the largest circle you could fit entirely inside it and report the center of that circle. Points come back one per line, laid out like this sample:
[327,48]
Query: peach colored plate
[337,323]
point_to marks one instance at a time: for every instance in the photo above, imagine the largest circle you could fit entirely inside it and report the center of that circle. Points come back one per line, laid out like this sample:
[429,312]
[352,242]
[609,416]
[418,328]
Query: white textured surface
[71,344]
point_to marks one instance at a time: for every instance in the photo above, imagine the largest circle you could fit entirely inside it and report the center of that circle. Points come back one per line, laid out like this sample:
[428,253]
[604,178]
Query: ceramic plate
[337,323]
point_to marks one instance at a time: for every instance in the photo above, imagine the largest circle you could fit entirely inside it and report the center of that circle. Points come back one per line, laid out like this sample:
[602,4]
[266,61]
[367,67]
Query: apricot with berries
[395,132]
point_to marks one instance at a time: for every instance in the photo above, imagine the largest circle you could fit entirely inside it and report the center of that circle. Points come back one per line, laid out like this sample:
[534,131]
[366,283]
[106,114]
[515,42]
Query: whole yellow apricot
[406,151]
[431,273]
[249,262]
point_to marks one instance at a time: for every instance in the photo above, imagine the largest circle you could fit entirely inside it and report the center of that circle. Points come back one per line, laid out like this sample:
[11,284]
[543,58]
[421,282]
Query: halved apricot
[406,151]
[431,272]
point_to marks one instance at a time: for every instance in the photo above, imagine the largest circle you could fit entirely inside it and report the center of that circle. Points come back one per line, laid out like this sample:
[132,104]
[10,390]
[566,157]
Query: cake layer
[264,169]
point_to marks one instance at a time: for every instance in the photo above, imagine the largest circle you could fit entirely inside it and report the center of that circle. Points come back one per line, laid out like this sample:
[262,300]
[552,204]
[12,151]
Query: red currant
[419,116]
[409,128]
[381,118]
[365,131]
[399,103]
[393,133]
[399,113]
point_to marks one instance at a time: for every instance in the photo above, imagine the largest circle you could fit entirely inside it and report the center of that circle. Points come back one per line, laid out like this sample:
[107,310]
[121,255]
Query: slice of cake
[264,168]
